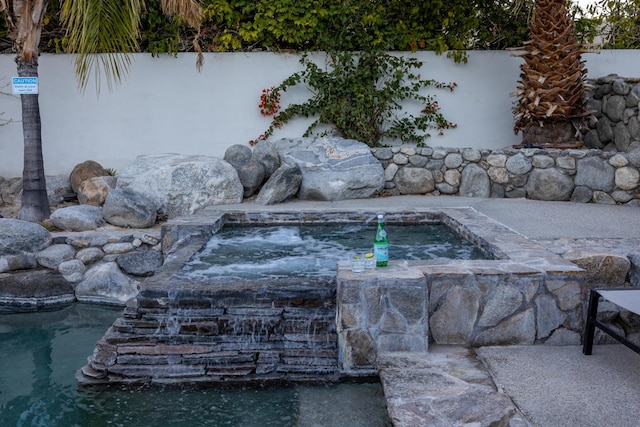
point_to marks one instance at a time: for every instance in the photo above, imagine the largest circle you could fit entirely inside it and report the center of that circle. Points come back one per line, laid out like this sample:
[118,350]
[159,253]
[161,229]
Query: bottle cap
[379,216]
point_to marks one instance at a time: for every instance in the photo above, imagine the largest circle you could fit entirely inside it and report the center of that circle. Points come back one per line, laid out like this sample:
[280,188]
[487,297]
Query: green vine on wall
[360,96]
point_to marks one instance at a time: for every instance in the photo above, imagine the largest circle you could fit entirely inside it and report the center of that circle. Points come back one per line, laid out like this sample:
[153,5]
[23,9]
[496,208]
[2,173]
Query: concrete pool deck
[550,386]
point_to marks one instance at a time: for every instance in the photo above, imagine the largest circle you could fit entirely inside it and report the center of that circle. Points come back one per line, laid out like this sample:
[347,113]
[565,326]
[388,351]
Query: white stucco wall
[165,105]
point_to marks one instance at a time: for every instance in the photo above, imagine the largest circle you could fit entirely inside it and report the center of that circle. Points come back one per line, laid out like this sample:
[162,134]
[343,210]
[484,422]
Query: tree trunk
[34,204]
[24,19]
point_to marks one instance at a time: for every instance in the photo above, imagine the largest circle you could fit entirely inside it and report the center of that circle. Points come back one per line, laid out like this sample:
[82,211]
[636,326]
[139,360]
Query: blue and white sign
[24,85]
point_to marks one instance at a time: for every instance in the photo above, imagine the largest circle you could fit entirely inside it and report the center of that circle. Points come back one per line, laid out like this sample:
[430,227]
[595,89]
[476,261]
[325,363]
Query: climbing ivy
[360,96]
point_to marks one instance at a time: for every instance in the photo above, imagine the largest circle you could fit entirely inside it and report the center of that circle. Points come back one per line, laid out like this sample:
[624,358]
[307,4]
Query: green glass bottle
[381,244]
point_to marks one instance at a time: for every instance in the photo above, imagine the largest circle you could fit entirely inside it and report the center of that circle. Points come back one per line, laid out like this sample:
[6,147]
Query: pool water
[253,252]
[41,352]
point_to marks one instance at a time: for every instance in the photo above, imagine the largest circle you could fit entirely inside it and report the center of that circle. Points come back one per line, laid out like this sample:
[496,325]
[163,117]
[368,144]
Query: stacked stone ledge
[583,176]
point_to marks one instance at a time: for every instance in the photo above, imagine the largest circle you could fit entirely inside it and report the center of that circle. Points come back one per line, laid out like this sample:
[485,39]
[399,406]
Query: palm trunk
[34,204]
[24,19]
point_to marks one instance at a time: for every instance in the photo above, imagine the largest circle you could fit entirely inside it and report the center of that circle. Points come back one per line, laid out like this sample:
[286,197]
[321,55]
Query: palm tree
[551,92]
[24,19]
[102,33]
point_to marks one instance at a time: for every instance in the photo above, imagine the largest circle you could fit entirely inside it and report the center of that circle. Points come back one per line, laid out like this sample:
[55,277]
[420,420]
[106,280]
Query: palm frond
[102,33]
[191,12]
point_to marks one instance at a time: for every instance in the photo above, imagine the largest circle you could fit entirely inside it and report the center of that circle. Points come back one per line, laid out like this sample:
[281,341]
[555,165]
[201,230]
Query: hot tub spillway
[222,332]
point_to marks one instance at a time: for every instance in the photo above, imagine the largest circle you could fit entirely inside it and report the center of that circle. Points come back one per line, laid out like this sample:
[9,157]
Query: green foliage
[620,20]
[281,25]
[159,34]
[362,97]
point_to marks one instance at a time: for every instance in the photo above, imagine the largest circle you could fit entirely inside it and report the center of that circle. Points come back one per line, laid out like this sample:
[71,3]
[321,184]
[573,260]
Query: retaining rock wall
[584,176]
[615,126]
[96,267]
[606,171]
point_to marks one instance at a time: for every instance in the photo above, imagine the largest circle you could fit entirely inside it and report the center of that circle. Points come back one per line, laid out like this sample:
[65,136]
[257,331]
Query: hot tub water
[253,252]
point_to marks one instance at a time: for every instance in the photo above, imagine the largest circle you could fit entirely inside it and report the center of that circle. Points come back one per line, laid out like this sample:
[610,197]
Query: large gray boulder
[17,237]
[128,208]
[333,168]
[105,283]
[182,184]
[414,181]
[140,263]
[78,218]
[474,182]
[280,186]
[58,186]
[53,255]
[250,171]
[595,173]
[266,154]
[549,184]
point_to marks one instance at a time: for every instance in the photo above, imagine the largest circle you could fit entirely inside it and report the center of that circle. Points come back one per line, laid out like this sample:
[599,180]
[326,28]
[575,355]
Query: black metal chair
[627,298]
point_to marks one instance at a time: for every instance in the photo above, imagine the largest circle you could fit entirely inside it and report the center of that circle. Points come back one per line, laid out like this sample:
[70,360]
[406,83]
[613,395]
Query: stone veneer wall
[606,171]
[615,126]
[525,295]
[572,175]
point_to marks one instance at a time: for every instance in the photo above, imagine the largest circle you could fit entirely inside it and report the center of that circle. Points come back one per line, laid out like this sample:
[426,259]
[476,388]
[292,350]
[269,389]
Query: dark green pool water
[40,353]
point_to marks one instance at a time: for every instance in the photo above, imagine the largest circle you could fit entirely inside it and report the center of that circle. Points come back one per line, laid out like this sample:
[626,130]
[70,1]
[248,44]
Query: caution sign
[24,85]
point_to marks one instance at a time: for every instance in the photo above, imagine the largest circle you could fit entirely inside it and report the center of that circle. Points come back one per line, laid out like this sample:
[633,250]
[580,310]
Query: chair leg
[590,325]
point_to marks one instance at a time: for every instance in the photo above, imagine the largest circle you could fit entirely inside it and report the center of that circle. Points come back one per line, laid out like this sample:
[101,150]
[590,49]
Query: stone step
[446,386]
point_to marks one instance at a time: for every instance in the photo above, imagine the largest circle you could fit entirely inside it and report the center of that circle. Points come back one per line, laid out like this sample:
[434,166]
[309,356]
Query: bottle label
[381,252]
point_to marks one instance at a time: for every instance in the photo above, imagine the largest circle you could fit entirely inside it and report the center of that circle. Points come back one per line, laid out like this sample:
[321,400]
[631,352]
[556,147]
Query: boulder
[605,270]
[17,237]
[266,154]
[105,283]
[17,262]
[627,178]
[280,186]
[93,191]
[58,187]
[414,181]
[181,184]
[140,263]
[53,255]
[549,184]
[128,208]
[519,164]
[78,218]
[595,173]
[72,270]
[89,255]
[237,155]
[250,171]
[84,171]
[474,182]
[333,168]
[34,290]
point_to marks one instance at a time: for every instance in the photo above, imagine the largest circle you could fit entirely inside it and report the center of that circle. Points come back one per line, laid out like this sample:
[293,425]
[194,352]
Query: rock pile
[40,270]
[327,168]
